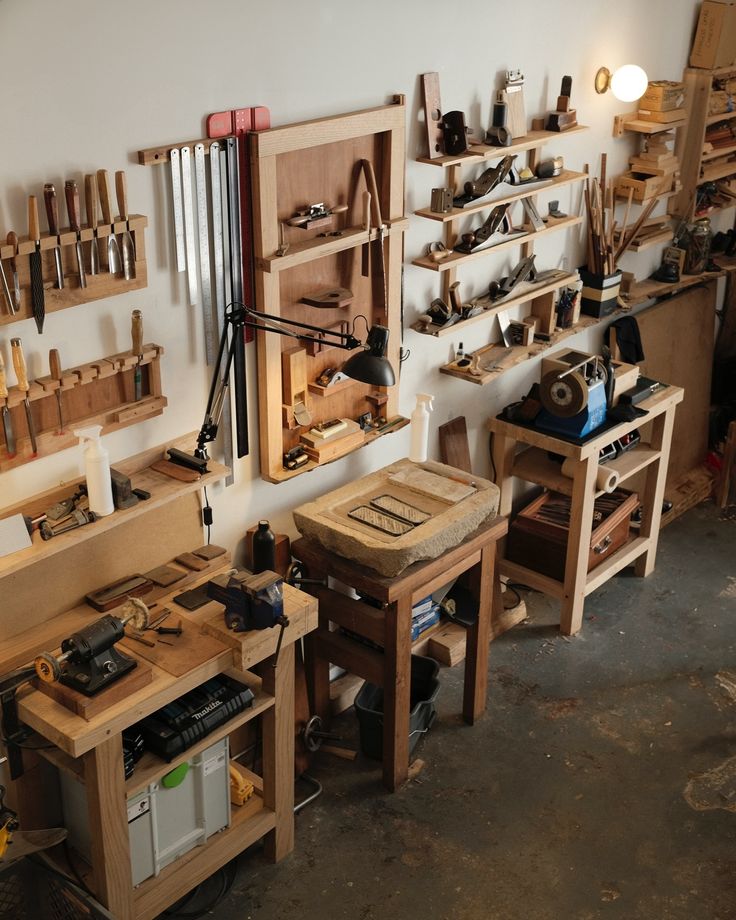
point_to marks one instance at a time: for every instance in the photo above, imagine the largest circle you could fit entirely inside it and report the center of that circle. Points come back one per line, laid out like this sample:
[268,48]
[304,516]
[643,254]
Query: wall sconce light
[627,84]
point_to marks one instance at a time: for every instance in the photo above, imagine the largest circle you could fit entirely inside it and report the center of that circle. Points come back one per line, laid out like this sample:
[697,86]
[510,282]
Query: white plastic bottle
[96,470]
[420,428]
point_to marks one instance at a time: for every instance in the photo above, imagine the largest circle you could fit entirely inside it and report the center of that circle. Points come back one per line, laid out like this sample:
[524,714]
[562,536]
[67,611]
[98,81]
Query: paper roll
[606,478]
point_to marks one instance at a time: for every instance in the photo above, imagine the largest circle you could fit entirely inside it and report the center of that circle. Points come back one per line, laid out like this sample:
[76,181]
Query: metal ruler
[200,172]
[236,281]
[181,259]
[186,179]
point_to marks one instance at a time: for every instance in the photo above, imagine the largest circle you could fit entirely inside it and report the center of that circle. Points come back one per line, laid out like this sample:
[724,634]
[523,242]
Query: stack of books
[424,613]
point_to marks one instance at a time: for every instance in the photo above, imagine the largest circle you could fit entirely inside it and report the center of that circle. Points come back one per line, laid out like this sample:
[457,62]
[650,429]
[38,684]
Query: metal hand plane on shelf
[314,216]
[496,222]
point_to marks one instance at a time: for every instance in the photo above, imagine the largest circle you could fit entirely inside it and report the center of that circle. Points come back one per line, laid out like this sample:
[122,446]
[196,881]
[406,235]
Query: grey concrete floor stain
[566,801]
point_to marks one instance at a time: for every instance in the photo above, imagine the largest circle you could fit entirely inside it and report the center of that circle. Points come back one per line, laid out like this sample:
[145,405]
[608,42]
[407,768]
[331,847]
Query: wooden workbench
[533,465]
[390,628]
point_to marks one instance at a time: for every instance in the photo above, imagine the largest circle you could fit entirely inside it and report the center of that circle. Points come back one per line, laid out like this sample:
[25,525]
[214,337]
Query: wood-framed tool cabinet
[320,161]
[99,392]
[99,286]
[149,534]
[522,452]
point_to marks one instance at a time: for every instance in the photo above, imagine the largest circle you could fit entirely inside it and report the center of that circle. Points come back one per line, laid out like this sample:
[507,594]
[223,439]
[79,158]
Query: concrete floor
[600,783]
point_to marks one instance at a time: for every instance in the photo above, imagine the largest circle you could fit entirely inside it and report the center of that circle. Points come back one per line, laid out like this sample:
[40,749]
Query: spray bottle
[96,470]
[420,428]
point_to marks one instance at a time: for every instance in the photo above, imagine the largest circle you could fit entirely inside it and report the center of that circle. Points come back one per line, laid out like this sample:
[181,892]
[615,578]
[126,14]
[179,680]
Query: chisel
[136,331]
[7,420]
[121,191]
[52,215]
[55,368]
[71,193]
[90,200]
[12,240]
[19,363]
[114,265]
[37,295]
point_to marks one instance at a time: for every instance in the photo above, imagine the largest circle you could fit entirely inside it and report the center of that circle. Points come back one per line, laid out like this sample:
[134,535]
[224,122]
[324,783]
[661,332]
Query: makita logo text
[208,708]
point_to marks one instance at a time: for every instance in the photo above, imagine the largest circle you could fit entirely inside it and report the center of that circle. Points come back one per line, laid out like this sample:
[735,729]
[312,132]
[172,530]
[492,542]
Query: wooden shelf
[455,259]
[566,177]
[628,553]
[150,767]
[163,490]
[649,289]
[632,123]
[722,116]
[479,152]
[717,152]
[719,171]
[655,239]
[521,574]
[534,465]
[319,248]
[528,292]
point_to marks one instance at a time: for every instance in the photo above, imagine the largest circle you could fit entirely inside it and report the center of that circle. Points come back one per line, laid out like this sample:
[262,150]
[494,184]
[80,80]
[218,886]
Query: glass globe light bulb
[629,83]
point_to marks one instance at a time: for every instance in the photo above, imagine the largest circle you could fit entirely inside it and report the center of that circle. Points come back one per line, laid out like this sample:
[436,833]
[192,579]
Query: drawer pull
[602,546]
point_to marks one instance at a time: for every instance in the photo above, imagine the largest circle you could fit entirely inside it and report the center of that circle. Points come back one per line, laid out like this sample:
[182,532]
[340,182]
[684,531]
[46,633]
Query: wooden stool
[390,628]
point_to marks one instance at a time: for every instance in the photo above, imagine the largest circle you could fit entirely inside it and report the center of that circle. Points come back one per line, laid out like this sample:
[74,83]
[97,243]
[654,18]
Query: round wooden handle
[19,363]
[34,231]
[71,193]
[121,191]
[12,240]
[136,330]
[3,380]
[52,210]
[55,363]
[104,190]
[90,199]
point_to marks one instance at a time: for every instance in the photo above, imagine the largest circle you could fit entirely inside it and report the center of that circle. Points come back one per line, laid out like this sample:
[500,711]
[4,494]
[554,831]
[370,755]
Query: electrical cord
[26,747]
[225,876]
[516,593]
[490,455]
[207,516]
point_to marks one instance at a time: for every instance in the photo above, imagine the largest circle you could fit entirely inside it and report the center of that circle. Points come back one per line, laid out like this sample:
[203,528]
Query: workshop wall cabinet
[294,167]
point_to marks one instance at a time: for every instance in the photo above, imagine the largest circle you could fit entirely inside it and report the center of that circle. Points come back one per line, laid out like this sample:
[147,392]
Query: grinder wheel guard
[564,397]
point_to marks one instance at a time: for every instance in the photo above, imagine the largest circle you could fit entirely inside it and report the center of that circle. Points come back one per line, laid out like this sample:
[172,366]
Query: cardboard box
[663,95]
[644,186]
[715,38]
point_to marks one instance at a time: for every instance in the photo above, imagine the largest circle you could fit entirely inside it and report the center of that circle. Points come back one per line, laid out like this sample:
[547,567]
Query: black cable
[26,747]
[518,597]
[207,518]
[226,876]
[490,455]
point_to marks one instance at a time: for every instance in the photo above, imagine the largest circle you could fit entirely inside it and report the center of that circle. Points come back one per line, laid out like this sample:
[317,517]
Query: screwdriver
[136,331]
[55,368]
[19,363]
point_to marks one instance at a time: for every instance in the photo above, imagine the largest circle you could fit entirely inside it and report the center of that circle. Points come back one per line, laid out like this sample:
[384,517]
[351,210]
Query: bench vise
[251,601]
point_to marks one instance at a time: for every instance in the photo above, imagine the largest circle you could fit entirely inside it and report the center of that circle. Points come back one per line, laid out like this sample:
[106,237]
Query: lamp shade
[629,83]
[371,365]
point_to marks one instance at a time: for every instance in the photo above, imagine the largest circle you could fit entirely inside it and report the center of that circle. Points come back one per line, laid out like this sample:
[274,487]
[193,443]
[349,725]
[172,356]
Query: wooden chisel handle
[103,187]
[136,331]
[34,230]
[55,364]
[71,193]
[19,363]
[3,380]
[12,240]
[90,199]
[370,181]
[121,191]
[52,208]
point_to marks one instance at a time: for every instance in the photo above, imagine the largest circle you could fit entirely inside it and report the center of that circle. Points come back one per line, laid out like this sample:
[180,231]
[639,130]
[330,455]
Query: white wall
[86,83]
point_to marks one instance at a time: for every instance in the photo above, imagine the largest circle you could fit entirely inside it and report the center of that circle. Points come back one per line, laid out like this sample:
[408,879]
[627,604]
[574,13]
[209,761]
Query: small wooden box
[644,186]
[541,544]
[715,40]
[663,96]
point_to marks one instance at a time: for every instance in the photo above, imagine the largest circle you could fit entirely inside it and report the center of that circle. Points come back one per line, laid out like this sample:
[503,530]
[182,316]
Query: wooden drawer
[538,535]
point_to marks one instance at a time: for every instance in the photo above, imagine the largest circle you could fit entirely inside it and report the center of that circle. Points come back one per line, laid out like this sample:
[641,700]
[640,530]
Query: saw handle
[103,186]
[71,193]
[52,208]
[34,230]
[121,191]
[19,363]
[90,200]
[136,331]
[55,364]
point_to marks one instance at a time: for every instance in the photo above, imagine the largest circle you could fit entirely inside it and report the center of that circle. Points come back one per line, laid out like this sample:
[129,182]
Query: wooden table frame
[390,627]
[533,465]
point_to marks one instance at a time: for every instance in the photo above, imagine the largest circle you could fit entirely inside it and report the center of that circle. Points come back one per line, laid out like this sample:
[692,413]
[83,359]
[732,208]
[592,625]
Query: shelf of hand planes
[498,187]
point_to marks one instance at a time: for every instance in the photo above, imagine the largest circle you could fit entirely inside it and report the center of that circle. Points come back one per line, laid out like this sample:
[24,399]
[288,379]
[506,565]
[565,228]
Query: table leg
[578,545]
[482,579]
[318,678]
[278,753]
[503,460]
[397,693]
[653,494]
[108,825]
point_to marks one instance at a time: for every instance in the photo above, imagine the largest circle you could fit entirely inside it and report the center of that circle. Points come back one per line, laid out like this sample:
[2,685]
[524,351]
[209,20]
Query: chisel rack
[98,287]
[293,167]
[98,393]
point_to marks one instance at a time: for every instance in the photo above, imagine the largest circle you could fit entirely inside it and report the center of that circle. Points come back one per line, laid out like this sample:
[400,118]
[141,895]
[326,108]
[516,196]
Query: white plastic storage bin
[168,818]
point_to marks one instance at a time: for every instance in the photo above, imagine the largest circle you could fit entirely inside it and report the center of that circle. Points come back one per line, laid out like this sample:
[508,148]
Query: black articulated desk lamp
[368,366]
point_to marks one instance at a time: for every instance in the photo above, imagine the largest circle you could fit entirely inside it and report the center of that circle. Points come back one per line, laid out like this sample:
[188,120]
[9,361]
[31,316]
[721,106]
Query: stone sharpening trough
[449,503]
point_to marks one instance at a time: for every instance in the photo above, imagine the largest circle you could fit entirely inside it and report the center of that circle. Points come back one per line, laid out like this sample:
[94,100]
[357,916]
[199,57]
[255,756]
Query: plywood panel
[678,336]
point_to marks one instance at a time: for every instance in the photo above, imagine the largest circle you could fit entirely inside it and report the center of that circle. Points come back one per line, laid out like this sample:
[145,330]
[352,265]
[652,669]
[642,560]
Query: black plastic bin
[369,707]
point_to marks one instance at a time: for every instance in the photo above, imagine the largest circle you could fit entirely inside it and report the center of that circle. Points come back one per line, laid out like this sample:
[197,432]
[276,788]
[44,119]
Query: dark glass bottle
[264,548]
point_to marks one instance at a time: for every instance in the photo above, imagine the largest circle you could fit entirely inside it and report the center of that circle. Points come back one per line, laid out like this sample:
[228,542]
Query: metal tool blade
[186,182]
[37,295]
[12,240]
[126,240]
[114,265]
[71,193]
[9,300]
[200,173]
[219,196]
[90,197]
[218,280]
[181,258]
[52,213]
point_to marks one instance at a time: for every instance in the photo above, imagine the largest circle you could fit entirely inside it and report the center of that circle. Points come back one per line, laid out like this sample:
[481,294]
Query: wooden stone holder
[98,393]
[98,286]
